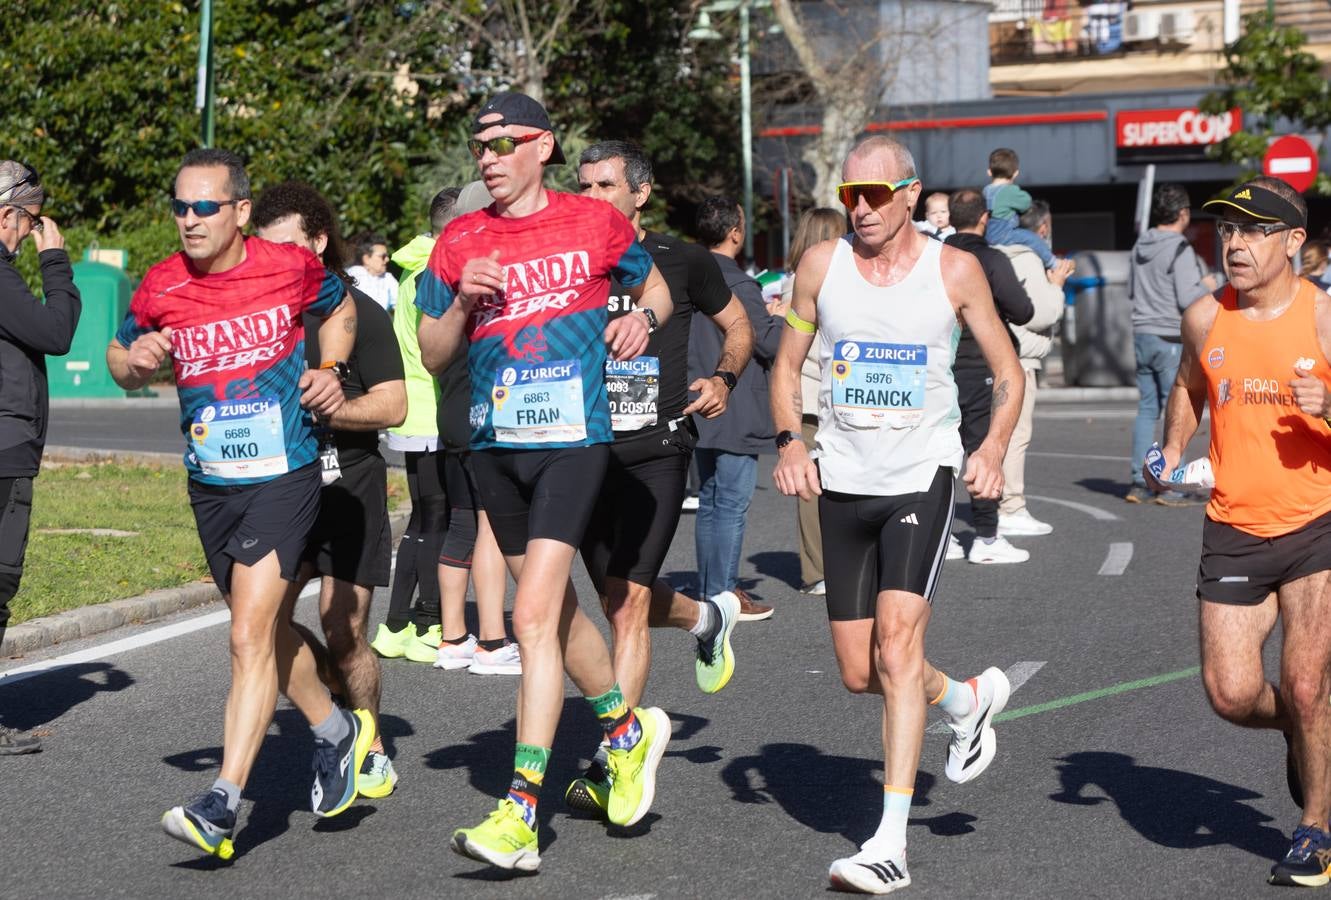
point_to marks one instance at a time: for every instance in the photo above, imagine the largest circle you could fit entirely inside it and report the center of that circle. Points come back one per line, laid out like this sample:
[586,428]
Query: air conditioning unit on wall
[1177,27]
[1141,26]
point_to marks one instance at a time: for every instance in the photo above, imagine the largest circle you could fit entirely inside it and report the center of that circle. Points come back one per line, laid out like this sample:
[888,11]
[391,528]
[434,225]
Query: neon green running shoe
[392,644]
[377,778]
[716,660]
[633,772]
[425,647]
[504,840]
[590,794]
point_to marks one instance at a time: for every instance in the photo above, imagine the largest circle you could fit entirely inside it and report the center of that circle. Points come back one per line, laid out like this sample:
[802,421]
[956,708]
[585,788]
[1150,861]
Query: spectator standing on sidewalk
[30,330]
[1045,288]
[370,272]
[728,446]
[814,227]
[1165,277]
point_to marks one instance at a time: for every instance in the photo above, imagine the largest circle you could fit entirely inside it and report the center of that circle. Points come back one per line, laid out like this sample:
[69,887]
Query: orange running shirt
[1272,462]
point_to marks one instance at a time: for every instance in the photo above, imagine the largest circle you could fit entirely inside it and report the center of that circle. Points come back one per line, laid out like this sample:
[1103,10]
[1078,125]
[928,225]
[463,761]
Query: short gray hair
[637,166]
[881,143]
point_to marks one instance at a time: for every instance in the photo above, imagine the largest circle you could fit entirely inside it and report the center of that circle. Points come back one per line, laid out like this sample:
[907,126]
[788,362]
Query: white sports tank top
[887,405]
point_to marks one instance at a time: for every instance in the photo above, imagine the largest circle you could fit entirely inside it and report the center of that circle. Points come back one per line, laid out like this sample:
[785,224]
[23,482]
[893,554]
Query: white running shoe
[456,656]
[954,550]
[817,589]
[997,552]
[973,743]
[690,503]
[1022,524]
[507,660]
[870,872]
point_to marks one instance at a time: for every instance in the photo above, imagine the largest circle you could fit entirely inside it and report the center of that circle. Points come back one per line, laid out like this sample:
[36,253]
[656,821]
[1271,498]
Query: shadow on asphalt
[1174,809]
[826,792]
[783,565]
[1109,486]
[33,702]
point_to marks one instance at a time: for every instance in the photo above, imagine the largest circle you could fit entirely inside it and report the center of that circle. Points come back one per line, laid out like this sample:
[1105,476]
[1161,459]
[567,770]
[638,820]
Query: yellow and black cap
[518,109]
[1259,203]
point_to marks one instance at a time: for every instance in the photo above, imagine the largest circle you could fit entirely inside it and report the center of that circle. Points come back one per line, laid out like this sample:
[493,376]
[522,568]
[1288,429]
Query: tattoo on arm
[1000,396]
[349,324]
[797,403]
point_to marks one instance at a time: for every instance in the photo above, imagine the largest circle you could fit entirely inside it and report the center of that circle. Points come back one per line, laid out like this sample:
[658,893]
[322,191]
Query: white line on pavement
[1078,456]
[1017,675]
[1116,561]
[1094,512]
[144,639]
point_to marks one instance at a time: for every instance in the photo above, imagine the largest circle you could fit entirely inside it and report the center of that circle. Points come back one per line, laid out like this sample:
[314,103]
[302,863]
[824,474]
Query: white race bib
[240,438]
[539,403]
[634,388]
[876,385]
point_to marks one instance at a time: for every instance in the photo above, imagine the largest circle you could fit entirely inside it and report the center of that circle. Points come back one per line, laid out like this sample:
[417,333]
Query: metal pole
[746,126]
[785,217]
[203,99]
[1145,192]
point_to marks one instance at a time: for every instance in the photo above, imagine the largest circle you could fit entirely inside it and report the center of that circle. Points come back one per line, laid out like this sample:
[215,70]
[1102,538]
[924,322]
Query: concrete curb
[86,621]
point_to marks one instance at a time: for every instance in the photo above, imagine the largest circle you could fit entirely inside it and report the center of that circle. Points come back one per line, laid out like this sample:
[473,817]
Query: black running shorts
[638,510]
[352,539]
[1244,569]
[244,523]
[875,544]
[535,494]
[459,483]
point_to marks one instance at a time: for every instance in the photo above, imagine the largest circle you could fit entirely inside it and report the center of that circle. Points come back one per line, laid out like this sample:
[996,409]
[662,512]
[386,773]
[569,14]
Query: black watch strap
[652,322]
[783,438]
[728,377]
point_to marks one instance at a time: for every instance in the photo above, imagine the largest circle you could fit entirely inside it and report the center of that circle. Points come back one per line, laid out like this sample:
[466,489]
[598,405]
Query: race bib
[634,386]
[539,403]
[240,438]
[876,385]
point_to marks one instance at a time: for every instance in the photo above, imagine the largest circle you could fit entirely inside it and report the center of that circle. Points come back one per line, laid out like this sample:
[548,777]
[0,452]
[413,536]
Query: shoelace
[1305,836]
[705,652]
[212,806]
[325,759]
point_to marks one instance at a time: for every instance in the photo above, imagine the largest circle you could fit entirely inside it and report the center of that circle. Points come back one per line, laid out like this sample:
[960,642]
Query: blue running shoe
[1308,859]
[337,768]
[206,824]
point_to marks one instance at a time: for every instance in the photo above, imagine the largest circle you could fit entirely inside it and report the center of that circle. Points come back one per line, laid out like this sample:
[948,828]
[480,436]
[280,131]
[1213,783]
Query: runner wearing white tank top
[885,304]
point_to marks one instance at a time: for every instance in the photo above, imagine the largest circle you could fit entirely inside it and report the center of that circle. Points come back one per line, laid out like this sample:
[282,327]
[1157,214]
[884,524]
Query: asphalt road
[1112,779]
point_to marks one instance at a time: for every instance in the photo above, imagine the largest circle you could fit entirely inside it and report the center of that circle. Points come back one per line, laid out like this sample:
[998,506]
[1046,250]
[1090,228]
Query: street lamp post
[203,98]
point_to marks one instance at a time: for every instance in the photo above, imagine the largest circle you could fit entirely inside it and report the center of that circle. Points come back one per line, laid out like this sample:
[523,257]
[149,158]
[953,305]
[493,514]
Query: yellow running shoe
[206,824]
[377,778]
[716,660]
[425,647]
[392,644]
[504,839]
[633,772]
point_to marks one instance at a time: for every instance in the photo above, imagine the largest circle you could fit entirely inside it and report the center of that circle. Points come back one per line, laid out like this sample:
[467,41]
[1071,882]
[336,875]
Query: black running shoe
[206,824]
[1308,859]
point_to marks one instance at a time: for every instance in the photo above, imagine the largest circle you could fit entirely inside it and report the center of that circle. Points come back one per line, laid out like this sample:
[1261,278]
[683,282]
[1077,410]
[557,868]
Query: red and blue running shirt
[238,348]
[537,349]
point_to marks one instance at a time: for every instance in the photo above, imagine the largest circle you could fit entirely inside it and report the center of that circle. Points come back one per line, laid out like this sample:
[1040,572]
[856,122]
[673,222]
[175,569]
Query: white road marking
[144,639]
[1078,456]
[1117,559]
[1094,512]
[1017,675]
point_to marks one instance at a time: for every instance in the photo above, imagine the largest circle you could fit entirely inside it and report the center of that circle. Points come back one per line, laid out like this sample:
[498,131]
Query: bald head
[882,153]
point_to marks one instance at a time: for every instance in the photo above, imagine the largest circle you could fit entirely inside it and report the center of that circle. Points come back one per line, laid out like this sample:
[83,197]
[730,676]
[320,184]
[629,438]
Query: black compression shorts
[875,544]
[638,510]
[352,540]
[533,494]
[243,523]
[1244,569]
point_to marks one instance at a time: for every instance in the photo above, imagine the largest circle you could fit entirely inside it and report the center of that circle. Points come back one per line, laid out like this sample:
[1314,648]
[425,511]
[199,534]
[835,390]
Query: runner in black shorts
[522,286]
[639,506]
[350,545]
[227,310]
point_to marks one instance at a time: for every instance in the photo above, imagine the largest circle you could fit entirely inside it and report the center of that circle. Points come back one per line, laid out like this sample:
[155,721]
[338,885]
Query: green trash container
[82,372]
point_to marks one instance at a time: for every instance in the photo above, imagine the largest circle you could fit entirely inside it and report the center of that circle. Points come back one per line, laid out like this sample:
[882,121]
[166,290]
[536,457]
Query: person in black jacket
[29,331]
[975,383]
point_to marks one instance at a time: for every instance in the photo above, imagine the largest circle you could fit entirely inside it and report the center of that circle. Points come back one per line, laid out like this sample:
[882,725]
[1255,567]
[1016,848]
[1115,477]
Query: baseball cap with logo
[517,109]
[1259,203]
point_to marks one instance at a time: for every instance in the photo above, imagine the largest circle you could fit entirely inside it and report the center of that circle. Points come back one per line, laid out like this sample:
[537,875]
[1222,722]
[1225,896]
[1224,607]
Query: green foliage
[1275,83]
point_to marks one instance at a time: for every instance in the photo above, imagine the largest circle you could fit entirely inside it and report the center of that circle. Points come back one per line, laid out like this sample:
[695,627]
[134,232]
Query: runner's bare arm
[627,335]
[796,474]
[1311,395]
[443,338]
[969,292]
[133,367]
[1183,410]
[384,405]
[736,350]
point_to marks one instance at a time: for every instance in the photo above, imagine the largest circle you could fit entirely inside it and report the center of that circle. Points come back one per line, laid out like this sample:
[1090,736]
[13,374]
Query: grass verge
[155,546]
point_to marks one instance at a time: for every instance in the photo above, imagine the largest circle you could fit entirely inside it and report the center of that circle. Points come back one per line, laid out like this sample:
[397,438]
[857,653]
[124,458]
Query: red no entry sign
[1293,160]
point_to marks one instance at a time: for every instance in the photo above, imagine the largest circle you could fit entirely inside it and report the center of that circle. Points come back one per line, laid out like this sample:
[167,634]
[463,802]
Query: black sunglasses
[202,208]
[504,145]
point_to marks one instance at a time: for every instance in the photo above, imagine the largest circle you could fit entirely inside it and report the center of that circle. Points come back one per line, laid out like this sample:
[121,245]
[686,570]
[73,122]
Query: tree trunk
[843,119]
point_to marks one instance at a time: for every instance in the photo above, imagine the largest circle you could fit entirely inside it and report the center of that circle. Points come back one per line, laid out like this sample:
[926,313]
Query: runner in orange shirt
[1258,352]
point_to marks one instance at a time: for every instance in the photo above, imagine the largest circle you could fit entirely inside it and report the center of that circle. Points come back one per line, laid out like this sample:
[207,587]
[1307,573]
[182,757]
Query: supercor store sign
[1170,135]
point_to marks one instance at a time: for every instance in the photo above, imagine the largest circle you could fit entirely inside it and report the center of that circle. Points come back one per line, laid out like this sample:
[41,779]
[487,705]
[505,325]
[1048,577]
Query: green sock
[617,720]
[529,764]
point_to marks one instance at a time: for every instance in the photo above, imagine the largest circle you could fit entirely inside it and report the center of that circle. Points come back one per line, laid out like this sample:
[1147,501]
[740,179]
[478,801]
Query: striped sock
[617,720]
[890,838]
[529,764]
[957,699]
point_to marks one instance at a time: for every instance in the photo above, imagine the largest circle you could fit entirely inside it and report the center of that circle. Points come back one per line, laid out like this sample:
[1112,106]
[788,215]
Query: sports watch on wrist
[652,322]
[339,368]
[783,438]
[727,377]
